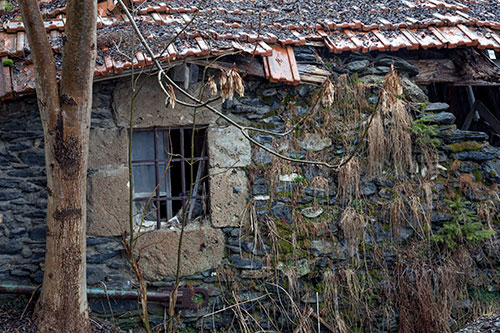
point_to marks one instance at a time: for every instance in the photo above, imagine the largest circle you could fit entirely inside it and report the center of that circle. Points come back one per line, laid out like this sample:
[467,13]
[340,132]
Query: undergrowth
[386,265]
[463,227]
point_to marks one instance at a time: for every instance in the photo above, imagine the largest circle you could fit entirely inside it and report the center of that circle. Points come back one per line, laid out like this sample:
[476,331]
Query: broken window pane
[162,171]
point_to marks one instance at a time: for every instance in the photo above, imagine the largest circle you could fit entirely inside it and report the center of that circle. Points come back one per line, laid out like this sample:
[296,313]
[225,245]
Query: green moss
[265,126]
[477,176]
[7,6]
[467,145]
[7,63]
[483,296]
[492,173]
[268,100]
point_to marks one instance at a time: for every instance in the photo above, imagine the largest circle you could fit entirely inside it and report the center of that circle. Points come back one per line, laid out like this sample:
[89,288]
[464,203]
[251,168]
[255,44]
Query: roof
[264,28]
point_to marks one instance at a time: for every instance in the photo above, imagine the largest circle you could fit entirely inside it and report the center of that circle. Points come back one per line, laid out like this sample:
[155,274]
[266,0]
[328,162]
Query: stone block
[228,148]
[315,142]
[413,92]
[107,198]
[228,197]
[202,249]
[108,147]
[436,107]
[150,109]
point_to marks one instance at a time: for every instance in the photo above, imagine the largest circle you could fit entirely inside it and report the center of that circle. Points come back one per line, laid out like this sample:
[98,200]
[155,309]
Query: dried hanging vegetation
[407,209]
[348,180]
[344,106]
[331,295]
[390,130]
[376,145]
[428,290]
[349,294]
[212,86]
[353,227]
[328,96]
[383,285]
[487,211]
[230,82]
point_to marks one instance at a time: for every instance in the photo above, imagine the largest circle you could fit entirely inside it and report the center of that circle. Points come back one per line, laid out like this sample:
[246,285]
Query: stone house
[445,52]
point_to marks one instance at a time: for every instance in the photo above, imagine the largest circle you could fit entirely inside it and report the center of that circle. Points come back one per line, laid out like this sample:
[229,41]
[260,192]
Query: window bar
[195,187]
[177,159]
[183,167]
[167,139]
[157,201]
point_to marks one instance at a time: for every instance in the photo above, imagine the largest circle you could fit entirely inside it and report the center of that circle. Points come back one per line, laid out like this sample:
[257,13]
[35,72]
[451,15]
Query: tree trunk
[65,116]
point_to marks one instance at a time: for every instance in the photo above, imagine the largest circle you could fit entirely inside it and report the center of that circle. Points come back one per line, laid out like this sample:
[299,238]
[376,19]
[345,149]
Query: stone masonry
[222,240]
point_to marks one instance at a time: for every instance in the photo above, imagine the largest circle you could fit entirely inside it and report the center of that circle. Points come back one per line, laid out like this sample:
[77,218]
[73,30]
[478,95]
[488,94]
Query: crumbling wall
[276,229]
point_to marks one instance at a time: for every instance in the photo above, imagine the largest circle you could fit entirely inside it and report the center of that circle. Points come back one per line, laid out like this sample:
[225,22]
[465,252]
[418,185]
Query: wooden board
[436,70]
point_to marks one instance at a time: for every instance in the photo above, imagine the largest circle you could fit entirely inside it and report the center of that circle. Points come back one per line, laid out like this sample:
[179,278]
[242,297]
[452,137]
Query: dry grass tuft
[430,159]
[331,295]
[328,96]
[427,189]
[428,291]
[390,130]
[376,145]
[348,180]
[396,216]
[353,227]
[400,138]
[407,209]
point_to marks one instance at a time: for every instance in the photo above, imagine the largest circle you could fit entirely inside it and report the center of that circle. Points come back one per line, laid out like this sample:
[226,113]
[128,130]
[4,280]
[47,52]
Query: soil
[14,318]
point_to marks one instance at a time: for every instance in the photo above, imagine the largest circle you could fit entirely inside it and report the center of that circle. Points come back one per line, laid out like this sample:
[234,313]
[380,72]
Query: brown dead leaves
[230,82]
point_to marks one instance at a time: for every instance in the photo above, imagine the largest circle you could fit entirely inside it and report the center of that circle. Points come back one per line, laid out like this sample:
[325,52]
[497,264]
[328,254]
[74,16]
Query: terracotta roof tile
[5,82]
[23,79]
[281,65]
[225,26]
[7,44]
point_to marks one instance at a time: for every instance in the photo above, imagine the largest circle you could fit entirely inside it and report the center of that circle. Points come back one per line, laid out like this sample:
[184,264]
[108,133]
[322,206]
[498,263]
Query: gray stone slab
[228,148]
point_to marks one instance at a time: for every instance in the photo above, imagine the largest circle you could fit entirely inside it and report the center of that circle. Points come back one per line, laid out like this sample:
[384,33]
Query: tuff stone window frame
[161,158]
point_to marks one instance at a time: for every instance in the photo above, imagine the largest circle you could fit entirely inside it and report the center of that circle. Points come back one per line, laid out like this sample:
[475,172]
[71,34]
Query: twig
[217,112]
[31,298]
[317,310]
[234,305]
[303,320]
[330,327]
[96,323]
[109,302]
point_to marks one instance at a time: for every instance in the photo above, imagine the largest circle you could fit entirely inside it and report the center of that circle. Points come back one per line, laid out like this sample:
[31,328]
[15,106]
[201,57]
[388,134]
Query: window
[162,173]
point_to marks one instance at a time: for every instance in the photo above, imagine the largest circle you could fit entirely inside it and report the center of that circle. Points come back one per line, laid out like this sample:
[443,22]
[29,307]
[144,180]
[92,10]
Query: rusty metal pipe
[185,296]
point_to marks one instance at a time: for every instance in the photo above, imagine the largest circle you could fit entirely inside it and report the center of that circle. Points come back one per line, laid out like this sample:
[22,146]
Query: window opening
[161,169]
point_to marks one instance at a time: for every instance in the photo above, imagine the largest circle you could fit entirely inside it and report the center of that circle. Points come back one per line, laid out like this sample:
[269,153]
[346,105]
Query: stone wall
[271,223]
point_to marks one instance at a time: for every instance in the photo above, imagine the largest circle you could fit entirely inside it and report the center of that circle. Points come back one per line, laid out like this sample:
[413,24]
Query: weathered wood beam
[435,70]
[445,70]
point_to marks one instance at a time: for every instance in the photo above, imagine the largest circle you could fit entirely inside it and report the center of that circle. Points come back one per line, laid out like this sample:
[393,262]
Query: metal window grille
[161,164]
